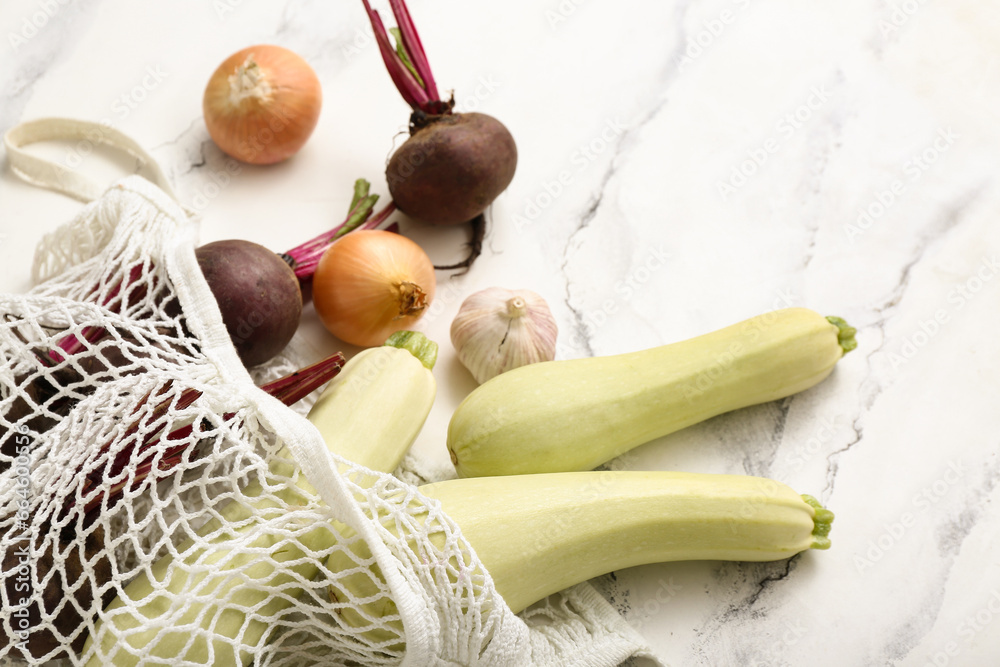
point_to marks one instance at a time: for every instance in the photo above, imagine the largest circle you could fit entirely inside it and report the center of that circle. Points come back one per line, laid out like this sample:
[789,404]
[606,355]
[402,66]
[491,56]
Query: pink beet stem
[411,90]
[72,344]
[288,389]
[303,252]
[414,47]
[133,275]
[187,397]
[306,257]
[380,217]
[293,388]
[156,419]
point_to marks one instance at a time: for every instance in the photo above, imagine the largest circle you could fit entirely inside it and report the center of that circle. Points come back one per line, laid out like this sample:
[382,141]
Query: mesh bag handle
[53,176]
[75,242]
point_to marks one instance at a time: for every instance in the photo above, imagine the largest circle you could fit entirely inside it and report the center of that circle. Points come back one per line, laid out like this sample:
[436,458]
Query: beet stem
[356,217]
[288,389]
[397,37]
[413,93]
[414,47]
[380,217]
[361,191]
[305,257]
[292,388]
[72,344]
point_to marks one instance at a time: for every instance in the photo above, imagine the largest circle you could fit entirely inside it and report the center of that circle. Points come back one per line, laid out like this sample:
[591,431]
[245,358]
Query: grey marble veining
[683,166]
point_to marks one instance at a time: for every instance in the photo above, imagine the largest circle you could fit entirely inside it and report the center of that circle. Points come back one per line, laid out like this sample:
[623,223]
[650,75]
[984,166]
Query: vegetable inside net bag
[134,446]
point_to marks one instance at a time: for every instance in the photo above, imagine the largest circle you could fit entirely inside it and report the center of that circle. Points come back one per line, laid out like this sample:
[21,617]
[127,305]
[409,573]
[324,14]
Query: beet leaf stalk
[453,165]
[51,393]
[304,258]
[69,594]
[143,456]
[407,63]
[116,300]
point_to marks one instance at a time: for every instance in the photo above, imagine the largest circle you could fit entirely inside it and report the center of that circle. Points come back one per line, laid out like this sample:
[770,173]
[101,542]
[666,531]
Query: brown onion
[371,284]
[262,104]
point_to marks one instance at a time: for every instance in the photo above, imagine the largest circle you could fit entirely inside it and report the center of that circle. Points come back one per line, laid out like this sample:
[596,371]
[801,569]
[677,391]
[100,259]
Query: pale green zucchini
[559,416]
[351,414]
[539,534]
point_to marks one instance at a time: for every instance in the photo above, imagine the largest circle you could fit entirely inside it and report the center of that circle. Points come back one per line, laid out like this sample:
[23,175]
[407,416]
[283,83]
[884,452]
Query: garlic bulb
[499,329]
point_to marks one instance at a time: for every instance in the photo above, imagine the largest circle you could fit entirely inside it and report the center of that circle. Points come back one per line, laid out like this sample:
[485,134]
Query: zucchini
[539,534]
[351,414]
[559,416]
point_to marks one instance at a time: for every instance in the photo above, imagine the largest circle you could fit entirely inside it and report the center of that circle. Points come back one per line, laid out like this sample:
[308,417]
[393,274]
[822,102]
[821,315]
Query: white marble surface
[630,119]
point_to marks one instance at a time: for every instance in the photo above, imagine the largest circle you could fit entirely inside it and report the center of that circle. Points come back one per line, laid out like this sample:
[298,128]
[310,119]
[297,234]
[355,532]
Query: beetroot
[61,565]
[452,168]
[453,165]
[258,295]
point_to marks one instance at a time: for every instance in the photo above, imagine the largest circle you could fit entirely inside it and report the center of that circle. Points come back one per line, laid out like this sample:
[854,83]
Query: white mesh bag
[142,450]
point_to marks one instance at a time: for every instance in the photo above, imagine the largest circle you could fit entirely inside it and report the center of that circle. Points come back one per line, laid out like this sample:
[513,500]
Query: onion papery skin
[262,104]
[371,284]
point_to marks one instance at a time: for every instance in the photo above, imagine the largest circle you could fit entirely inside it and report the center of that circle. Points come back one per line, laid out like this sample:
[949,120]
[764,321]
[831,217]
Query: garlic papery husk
[498,329]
